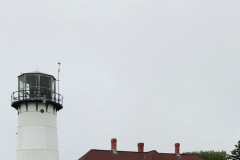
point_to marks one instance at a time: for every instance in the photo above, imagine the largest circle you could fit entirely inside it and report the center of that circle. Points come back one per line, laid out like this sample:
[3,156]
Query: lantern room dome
[36,86]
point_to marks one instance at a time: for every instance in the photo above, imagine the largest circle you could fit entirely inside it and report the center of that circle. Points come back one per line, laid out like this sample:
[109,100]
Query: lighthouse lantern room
[37,103]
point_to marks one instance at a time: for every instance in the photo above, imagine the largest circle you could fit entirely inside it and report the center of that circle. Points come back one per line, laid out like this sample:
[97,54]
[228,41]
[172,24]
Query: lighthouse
[37,104]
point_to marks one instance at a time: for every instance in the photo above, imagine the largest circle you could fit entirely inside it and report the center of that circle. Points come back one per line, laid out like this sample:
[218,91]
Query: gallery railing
[41,94]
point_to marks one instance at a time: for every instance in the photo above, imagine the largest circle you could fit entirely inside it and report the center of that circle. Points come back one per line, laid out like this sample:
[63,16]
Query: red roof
[94,154]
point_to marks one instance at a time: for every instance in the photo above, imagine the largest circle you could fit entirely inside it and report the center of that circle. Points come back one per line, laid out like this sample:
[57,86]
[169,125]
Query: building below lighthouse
[37,104]
[139,154]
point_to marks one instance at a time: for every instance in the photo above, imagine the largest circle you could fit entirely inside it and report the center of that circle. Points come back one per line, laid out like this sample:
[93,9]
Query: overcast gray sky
[153,71]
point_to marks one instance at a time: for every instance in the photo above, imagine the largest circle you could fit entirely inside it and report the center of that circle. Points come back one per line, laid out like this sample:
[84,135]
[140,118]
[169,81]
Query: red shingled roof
[127,155]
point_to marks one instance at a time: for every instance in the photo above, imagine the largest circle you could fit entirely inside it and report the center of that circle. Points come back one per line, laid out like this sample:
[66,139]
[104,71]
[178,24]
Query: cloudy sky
[152,71]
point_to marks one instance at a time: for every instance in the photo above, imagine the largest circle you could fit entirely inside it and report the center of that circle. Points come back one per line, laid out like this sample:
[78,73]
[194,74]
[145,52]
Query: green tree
[210,155]
[235,154]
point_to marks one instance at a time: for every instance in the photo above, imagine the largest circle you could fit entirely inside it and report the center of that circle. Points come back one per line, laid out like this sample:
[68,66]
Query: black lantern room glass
[36,85]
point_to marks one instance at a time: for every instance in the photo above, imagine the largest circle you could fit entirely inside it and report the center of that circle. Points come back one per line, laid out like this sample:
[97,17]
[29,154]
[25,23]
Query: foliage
[235,154]
[210,155]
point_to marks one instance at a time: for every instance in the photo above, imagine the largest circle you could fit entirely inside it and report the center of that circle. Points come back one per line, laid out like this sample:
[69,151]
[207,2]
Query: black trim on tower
[26,106]
[36,106]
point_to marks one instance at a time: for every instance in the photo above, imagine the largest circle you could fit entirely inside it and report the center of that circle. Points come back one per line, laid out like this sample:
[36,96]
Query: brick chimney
[114,144]
[140,147]
[177,148]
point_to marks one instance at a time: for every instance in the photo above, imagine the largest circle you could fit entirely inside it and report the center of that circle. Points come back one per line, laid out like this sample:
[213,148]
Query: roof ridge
[124,151]
[85,155]
[94,156]
[159,155]
[150,154]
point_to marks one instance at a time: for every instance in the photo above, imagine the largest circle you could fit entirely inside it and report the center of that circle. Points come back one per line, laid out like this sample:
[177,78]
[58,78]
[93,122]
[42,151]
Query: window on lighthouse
[53,89]
[22,93]
[45,86]
[31,85]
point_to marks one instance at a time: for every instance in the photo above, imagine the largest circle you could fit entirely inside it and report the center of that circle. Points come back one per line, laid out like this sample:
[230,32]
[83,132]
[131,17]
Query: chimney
[140,147]
[177,148]
[114,144]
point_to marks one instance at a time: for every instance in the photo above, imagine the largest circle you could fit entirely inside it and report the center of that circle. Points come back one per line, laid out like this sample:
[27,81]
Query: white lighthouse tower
[37,103]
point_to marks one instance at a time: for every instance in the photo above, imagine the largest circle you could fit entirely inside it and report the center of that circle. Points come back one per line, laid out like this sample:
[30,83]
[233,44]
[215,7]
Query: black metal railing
[41,94]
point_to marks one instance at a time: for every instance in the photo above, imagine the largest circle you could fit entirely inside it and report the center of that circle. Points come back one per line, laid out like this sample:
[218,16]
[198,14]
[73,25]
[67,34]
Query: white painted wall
[37,133]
